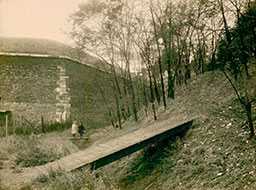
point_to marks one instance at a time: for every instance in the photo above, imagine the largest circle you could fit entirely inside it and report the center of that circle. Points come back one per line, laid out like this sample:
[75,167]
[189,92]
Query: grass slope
[214,154]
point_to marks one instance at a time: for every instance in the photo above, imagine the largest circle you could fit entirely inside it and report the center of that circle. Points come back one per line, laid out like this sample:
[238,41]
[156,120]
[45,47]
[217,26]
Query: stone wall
[54,88]
[84,85]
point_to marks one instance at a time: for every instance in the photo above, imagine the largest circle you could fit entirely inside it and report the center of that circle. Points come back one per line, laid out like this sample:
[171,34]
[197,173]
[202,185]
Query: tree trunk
[134,109]
[248,107]
[125,111]
[170,81]
[156,89]
[227,32]
[159,58]
[152,99]
[145,99]
[162,82]
[118,112]
[243,50]
[213,61]
[109,109]
[145,95]
[116,88]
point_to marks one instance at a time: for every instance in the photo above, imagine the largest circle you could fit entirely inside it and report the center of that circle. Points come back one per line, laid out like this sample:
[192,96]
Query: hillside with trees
[178,59]
[215,153]
[161,45]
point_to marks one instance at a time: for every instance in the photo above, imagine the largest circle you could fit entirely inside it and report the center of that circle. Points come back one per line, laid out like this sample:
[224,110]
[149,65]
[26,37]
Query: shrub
[82,179]
[34,157]
[39,150]
[23,131]
[57,126]
[28,130]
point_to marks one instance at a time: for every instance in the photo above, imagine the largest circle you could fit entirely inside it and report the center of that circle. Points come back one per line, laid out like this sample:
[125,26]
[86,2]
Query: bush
[28,130]
[57,126]
[35,156]
[23,131]
[39,150]
[82,179]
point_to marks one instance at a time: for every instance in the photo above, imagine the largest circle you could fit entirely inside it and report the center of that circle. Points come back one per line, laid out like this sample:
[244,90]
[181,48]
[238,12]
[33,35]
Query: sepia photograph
[127,94]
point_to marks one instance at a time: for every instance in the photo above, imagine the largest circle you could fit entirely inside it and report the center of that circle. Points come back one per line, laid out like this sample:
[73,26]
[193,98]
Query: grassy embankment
[214,154]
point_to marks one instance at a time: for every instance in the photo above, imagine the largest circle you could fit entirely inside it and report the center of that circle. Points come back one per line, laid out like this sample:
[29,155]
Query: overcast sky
[36,18]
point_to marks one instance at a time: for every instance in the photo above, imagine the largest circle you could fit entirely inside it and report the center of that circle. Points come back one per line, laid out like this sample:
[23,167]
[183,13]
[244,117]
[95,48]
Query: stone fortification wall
[27,86]
[54,88]
[84,84]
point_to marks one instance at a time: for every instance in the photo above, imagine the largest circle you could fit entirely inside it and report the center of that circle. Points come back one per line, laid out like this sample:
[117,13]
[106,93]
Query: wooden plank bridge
[99,155]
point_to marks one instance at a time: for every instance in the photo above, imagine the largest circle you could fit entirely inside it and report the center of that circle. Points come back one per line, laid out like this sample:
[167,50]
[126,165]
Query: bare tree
[159,60]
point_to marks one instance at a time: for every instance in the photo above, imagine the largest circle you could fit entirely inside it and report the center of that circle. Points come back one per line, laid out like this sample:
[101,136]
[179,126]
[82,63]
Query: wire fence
[11,124]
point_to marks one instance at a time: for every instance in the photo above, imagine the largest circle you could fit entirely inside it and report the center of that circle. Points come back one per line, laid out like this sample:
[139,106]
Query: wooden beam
[131,149]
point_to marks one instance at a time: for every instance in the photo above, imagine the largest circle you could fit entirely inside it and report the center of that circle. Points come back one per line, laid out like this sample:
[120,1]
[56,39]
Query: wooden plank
[135,147]
[79,138]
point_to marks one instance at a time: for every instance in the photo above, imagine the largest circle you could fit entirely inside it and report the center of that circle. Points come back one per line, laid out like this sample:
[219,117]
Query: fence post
[20,121]
[61,123]
[13,124]
[42,120]
[6,125]
[60,118]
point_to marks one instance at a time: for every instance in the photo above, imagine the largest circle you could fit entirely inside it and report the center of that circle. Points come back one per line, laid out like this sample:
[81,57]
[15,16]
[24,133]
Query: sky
[37,18]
